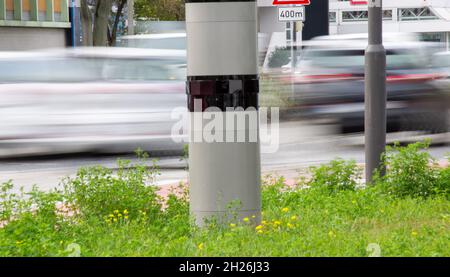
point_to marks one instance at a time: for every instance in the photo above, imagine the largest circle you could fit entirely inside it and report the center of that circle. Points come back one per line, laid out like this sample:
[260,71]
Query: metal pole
[222,69]
[375,92]
[298,42]
[294,45]
[293,54]
[130,17]
[72,18]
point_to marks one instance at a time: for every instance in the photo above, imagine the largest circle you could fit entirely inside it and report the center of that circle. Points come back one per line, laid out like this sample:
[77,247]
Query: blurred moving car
[329,83]
[105,100]
[441,61]
[174,41]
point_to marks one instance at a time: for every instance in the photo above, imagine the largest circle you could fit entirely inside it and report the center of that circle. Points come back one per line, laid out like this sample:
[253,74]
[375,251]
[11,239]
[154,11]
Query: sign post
[292,14]
[375,92]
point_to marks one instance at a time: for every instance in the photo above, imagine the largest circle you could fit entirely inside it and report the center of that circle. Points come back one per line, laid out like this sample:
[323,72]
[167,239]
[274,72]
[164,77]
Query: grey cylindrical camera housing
[223,73]
[222,38]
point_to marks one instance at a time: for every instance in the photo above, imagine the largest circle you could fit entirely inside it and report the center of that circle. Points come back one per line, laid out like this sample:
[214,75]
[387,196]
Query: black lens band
[223,91]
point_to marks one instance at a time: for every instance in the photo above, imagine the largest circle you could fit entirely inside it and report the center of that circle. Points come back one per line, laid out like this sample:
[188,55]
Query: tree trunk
[102,12]
[86,21]
[130,17]
[112,41]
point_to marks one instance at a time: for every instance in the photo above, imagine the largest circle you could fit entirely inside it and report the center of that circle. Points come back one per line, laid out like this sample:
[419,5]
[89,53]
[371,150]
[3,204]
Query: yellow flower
[263,222]
[277,223]
[285,210]
[289,225]
[253,216]
[115,219]
[126,217]
[294,217]
[200,246]
[260,231]
[246,219]
[116,211]
[414,233]
[232,225]
[125,211]
[119,215]
[259,227]
[111,215]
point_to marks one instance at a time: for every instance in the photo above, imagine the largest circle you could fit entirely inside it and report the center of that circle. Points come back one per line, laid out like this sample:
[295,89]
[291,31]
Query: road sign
[291,14]
[291,2]
[358,2]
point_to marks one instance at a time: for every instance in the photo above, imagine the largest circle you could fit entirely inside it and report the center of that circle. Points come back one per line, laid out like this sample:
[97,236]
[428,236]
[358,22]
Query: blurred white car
[90,99]
[175,41]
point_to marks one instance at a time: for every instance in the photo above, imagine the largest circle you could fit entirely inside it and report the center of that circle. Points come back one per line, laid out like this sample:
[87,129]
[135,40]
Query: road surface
[301,145]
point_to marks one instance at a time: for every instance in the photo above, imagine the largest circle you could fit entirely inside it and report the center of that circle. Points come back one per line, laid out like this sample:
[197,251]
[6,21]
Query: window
[332,17]
[387,14]
[416,14]
[33,11]
[349,16]
[355,16]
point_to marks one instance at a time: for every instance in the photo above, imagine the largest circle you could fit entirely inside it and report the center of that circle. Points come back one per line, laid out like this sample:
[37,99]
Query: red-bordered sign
[358,2]
[291,2]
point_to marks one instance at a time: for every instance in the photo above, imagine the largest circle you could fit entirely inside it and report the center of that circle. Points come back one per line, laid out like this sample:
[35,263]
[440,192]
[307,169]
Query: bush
[279,57]
[410,171]
[338,175]
[28,221]
[101,192]
[443,185]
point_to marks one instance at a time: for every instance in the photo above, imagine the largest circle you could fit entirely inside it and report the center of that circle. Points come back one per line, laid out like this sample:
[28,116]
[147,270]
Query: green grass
[333,217]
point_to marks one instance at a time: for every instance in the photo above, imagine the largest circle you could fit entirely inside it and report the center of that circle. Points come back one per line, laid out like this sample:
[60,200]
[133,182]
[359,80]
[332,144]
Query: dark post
[317,23]
[375,91]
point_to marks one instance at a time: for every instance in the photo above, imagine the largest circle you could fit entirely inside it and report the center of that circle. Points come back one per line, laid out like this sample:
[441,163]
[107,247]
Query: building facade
[430,18]
[34,24]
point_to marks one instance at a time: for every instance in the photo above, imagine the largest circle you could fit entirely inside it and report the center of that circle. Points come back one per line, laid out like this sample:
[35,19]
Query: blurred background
[85,82]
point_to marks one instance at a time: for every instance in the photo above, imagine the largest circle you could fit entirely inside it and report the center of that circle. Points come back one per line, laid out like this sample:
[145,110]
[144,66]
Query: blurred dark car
[330,85]
[441,61]
[104,100]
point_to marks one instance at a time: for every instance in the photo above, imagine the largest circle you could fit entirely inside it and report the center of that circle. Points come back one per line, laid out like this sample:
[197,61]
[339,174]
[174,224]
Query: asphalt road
[301,145]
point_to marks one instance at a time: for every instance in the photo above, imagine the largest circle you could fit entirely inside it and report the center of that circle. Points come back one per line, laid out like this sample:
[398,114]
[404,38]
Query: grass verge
[105,213]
